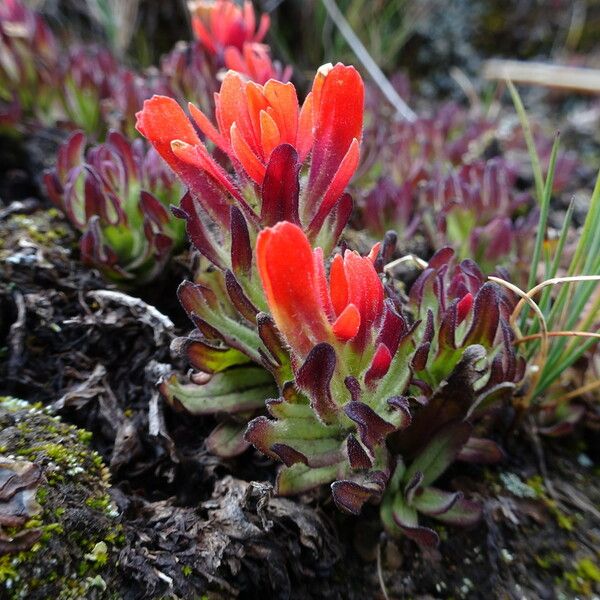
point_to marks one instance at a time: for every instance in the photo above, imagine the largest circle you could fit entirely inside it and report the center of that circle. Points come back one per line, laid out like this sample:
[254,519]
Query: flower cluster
[118,196]
[231,37]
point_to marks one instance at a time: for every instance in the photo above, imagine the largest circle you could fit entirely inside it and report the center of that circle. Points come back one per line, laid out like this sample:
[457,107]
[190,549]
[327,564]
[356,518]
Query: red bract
[306,309]
[222,23]
[255,63]
[268,137]
[253,120]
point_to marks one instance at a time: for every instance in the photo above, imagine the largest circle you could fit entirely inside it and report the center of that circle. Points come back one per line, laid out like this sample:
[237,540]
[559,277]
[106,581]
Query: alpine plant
[310,352]
[29,56]
[118,194]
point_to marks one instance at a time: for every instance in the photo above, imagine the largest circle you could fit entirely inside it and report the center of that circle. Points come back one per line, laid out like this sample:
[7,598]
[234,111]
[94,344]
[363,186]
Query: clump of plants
[314,354]
[29,58]
[372,394]
[118,195]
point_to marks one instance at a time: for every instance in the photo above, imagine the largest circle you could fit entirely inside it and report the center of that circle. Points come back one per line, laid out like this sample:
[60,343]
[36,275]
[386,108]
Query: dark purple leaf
[314,377]
[241,249]
[481,451]
[419,360]
[239,299]
[357,455]
[270,337]
[288,455]
[280,188]
[340,216]
[350,496]
[371,427]
[440,452]
[353,387]
[486,316]
[227,440]
[197,231]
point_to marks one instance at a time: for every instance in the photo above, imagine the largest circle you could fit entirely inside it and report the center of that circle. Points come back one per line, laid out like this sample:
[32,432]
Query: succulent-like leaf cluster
[118,195]
[28,63]
[433,177]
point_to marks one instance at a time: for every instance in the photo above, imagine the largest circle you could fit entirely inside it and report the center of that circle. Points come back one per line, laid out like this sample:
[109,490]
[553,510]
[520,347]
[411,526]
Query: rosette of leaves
[477,209]
[458,308]
[465,366]
[98,93]
[29,58]
[118,195]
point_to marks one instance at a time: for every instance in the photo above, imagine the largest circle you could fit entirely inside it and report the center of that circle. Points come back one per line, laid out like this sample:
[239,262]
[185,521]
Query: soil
[168,520]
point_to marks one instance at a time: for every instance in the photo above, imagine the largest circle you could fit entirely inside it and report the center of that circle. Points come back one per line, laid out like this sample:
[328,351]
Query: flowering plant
[223,24]
[349,379]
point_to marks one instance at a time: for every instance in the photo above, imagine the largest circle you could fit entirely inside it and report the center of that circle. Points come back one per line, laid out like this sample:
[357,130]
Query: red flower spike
[304,309]
[223,23]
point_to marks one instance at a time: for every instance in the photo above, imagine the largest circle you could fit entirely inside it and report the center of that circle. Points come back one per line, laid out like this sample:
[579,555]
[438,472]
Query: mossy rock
[77,534]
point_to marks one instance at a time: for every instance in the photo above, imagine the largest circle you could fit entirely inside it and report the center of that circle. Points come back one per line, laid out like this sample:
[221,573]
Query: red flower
[255,63]
[252,121]
[308,310]
[222,23]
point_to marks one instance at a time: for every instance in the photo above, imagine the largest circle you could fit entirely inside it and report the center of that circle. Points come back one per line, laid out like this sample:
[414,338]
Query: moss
[583,577]
[78,546]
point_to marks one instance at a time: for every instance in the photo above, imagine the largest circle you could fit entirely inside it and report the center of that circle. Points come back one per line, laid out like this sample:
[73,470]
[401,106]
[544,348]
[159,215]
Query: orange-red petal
[346,326]
[286,267]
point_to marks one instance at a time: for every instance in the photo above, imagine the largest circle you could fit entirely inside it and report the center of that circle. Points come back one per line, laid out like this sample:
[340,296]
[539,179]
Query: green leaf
[404,515]
[204,357]
[299,478]
[440,452]
[227,440]
[433,501]
[233,391]
[464,512]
